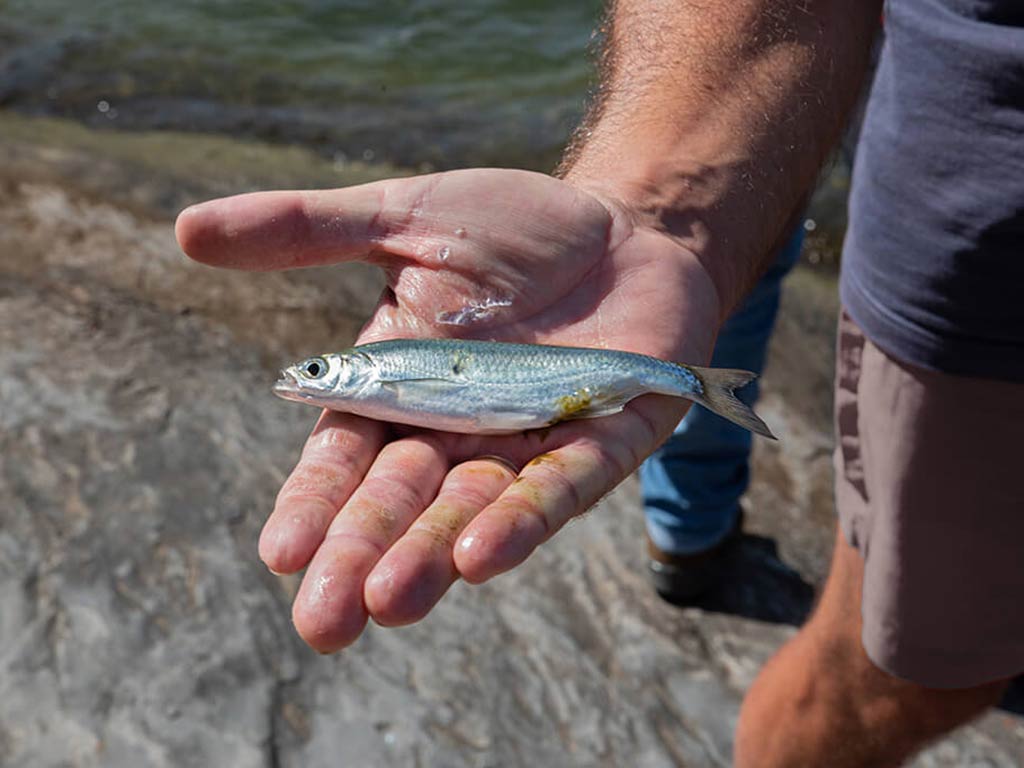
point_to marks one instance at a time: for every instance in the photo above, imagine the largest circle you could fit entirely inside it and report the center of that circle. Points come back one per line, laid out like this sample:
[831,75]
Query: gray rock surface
[140,450]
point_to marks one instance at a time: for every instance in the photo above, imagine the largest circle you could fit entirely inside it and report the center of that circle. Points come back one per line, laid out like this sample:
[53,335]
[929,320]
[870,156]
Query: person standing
[711,125]
[691,486]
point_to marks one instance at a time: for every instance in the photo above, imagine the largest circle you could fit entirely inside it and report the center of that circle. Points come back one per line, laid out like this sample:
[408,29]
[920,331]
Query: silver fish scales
[486,387]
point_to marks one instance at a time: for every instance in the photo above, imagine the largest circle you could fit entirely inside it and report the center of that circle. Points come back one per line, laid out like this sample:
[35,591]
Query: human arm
[713,120]
[645,246]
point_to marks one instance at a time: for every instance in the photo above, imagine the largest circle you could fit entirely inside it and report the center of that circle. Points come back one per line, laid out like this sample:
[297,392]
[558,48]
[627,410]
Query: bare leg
[821,701]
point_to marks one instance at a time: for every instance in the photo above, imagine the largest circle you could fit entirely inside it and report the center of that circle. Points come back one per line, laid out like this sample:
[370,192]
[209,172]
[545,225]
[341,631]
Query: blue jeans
[692,485]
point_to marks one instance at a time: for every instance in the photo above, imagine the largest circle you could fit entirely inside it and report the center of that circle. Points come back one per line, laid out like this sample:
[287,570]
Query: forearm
[713,119]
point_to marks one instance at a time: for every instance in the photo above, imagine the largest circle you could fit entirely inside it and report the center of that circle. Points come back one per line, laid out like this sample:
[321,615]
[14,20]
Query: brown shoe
[682,579]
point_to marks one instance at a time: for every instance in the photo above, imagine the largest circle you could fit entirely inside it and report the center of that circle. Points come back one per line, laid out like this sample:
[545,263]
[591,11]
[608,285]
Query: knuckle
[396,492]
[372,522]
[524,509]
[551,489]
[315,478]
[442,525]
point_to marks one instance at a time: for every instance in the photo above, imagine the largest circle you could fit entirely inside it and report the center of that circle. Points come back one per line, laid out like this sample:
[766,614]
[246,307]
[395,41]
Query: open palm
[387,518]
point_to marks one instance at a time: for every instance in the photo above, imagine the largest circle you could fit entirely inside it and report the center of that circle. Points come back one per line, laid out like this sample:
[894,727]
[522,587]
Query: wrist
[698,206]
[672,260]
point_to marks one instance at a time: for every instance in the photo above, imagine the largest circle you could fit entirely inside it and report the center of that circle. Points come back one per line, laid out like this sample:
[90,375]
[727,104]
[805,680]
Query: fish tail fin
[719,385]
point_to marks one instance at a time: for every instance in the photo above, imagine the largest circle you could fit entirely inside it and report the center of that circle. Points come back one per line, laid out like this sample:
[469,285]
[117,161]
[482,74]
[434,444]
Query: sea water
[427,83]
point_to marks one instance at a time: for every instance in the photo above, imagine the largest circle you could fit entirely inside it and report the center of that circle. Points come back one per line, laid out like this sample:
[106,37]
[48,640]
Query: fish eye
[314,368]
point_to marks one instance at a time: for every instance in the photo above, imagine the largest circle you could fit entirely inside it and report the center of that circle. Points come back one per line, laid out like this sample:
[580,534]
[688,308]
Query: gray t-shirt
[933,264]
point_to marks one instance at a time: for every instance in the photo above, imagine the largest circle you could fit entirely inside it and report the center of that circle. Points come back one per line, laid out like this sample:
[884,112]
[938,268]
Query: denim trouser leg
[692,485]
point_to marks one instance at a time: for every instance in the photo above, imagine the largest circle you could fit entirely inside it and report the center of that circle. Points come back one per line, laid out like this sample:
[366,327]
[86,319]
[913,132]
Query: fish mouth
[288,386]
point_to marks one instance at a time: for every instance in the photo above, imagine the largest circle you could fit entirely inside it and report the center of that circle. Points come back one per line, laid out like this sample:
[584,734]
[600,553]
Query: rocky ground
[140,450]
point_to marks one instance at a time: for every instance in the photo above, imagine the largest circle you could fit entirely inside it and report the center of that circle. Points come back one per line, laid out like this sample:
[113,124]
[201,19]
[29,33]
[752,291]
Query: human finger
[328,611]
[333,463]
[555,487]
[285,229]
[416,572]
[302,228]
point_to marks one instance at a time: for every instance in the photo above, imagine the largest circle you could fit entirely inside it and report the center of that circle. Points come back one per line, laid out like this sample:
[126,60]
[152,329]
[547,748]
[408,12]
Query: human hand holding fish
[386,517]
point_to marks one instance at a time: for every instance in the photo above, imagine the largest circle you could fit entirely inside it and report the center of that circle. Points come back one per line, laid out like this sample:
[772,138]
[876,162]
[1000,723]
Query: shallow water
[425,83]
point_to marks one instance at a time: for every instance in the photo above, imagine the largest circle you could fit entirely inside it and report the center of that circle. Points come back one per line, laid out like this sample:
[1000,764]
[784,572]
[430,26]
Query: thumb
[285,230]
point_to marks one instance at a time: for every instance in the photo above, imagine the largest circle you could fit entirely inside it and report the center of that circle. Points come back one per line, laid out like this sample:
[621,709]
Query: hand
[385,519]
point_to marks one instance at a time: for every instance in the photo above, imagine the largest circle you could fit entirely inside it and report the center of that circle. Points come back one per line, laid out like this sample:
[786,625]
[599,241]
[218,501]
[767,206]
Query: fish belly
[466,407]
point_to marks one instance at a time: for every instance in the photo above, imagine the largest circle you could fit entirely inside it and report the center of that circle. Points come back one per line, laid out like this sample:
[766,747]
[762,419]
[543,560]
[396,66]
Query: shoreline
[157,173]
[84,210]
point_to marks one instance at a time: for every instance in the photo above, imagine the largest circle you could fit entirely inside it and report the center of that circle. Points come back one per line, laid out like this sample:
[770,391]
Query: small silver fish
[486,387]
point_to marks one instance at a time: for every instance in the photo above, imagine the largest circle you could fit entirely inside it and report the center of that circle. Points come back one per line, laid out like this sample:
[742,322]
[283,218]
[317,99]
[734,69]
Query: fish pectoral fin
[607,409]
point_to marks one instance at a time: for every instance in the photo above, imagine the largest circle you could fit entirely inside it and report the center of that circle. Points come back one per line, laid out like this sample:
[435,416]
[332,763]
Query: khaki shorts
[929,479]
